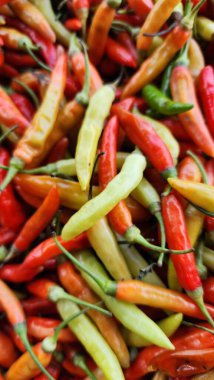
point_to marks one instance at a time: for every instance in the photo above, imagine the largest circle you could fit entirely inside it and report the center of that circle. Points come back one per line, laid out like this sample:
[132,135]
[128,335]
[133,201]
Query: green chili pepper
[164,134]
[128,314]
[90,131]
[161,103]
[46,8]
[205,28]
[172,277]
[208,258]
[92,340]
[107,249]
[168,325]
[119,188]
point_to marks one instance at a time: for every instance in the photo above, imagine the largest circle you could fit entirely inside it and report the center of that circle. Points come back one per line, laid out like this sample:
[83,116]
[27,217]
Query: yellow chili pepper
[199,194]
[90,131]
[107,249]
[205,28]
[208,258]
[194,223]
[196,58]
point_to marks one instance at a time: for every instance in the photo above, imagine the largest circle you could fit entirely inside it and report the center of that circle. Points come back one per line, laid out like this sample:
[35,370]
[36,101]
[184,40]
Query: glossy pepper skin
[206,91]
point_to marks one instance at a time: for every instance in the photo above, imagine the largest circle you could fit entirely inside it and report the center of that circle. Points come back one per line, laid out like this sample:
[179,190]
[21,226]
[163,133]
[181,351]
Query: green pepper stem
[21,330]
[197,296]
[200,166]
[56,293]
[104,285]
[201,209]
[122,25]
[188,20]
[7,133]
[3,253]
[182,58]
[47,169]
[114,3]
[133,235]
[49,344]
[37,60]
[16,164]
[30,92]
[79,361]
[159,218]
[190,324]
[74,48]
[83,96]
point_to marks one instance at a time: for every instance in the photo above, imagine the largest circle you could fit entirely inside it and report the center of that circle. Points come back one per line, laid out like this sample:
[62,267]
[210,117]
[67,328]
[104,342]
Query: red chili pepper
[19,60]
[119,53]
[188,338]
[53,369]
[72,87]
[58,151]
[7,71]
[81,10]
[47,48]
[14,337]
[17,273]
[133,20]
[188,170]
[125,39]
[206,90]
[176,128]
[155,179]
[11,213]
[8,352]
[141,7]
[208,286]
[40,288]
[36,223]
[48,249]
[10,115]
[3,2]
[7,235]
[184,146]
[183,90]
[142,134]
[39,328]
[34,305]
[73,24]
[24,105]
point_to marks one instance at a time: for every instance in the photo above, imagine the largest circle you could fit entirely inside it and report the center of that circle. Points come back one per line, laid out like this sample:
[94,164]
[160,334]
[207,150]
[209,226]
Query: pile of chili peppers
[106,190]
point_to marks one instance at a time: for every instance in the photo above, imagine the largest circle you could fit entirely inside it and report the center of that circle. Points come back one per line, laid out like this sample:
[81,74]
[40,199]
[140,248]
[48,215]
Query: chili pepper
[164,134]
[36,224]
[46,9]
[7,236]
[24,368]
[200,194]
[161,103]
[185,146]
[15,40]
[129,315]
[196,58]
[99,30]
[204,28]
[182,88]
[156,18]
[39,328]
[34,139]
[15,314]
[19,60]
[91,129]
[73,24]
[124,39]
[81,10]
[92,340]
[11,214]
[33,306]
[141,133]
[119,53]
[47,49]
[206,89]
[53,369]
[24,105]
[29,78]
[8,71]
[8,352]
[169,325]
[10,115]
[32,17]
[17,273]
[155,64]
[59,150]
[186,362]
[188,170]
[141,7]
[208,286]
[75,285]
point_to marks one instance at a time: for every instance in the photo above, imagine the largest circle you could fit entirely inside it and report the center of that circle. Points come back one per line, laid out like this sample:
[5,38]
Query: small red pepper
[54,371]
[141,7]
[24,105]
[206,90]
[73,24]
[176,128]
[34,305]
[119,54]
[208,286]
[58,151]
[7,235]
[40,328]
[19,60]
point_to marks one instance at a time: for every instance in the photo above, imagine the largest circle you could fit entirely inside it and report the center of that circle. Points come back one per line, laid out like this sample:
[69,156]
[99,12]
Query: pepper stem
[188,20]
[182,58]
[30,92]
[202,269]
[163,237]
[190,324]
[49,344]
[120,26]
[83,96]
[7,133]
[79,361]
[37,60]
[163,32]
[47,169]
[16,164]
[104,285]
[56,293]
[197,296]
[200,166]
[21,330]
[133,235]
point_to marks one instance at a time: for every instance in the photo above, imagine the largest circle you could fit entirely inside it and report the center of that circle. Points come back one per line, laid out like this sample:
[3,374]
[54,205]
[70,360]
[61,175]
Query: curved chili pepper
[119,53]
[99,30]
[11,213]
[206,89]
[161,103]
[24,105]
[156,18]
[32,17]
[15,314]
[36,224]
[17,273]
[39,328]
[182,88]
[75,285]
[8,352]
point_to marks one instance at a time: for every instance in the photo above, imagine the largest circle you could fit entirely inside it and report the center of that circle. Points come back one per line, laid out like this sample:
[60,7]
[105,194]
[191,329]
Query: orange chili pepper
[8,352]
[39,328]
